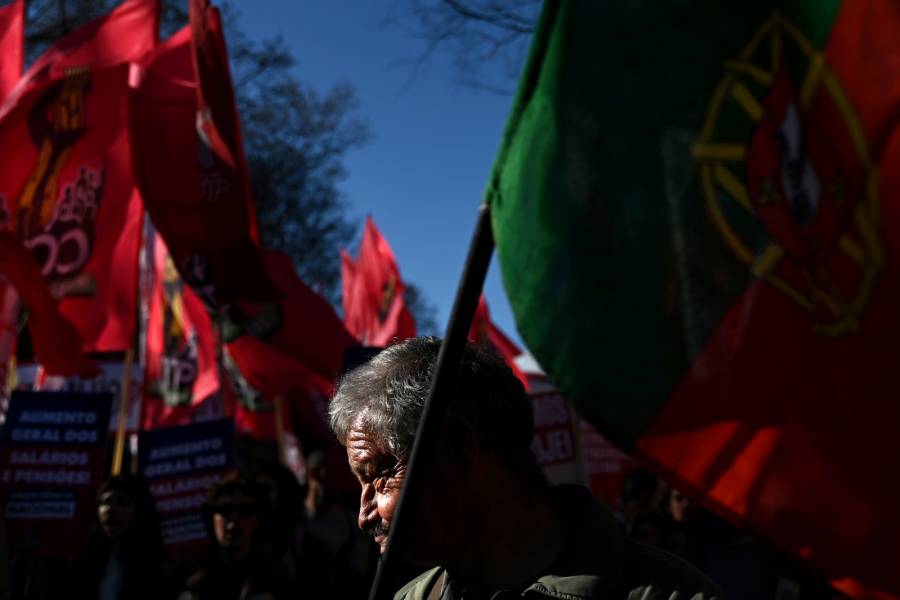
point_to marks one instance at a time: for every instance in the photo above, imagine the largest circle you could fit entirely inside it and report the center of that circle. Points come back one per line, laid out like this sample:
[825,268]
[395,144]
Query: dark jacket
[597,562]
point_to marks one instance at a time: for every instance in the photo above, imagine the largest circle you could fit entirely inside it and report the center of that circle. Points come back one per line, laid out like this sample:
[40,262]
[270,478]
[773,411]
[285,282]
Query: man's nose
[368,508]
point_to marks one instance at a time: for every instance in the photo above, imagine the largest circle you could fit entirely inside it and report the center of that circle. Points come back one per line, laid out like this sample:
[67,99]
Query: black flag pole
[435,408]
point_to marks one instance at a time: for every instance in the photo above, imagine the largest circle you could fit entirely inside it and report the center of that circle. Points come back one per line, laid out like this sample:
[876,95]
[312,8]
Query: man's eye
[381,479]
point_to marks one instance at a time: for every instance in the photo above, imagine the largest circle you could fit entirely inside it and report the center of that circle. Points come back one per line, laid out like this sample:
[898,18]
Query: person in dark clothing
[237,566]
[487,520]
[125,557]
[286,539]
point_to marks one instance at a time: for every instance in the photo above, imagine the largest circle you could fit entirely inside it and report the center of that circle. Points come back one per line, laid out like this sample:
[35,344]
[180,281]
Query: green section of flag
[610,261]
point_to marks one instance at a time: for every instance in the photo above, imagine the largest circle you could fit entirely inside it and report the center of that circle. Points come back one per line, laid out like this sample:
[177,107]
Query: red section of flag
[181,364]
[483,331]
[125,34]
[353,296]
[12,44]
[798,444]
[267,370]
[197,200]
[310,330]
[56,342]
[292,349]
[376,312]
[69,193]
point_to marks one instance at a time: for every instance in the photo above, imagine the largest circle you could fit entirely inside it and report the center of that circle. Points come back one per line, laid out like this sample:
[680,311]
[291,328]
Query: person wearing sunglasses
[237,565]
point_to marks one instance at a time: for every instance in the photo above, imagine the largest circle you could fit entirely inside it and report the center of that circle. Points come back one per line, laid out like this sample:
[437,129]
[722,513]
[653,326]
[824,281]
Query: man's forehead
[363,443]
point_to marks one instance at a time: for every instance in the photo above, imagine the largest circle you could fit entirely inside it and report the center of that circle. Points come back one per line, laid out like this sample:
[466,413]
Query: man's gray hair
[386,395]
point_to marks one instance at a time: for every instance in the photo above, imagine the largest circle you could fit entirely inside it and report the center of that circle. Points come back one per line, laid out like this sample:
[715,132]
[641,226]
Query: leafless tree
[474,33]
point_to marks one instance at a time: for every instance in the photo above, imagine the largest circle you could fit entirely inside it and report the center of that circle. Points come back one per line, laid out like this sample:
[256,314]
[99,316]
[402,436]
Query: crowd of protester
[269,536]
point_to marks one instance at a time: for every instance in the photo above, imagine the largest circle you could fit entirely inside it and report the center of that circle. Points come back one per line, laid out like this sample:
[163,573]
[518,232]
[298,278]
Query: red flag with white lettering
[57,345]
[69,194]
[12,40]
[68,188]
[181,366]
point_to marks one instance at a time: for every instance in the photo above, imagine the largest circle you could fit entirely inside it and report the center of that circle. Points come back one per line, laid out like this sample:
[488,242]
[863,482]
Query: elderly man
[488,522]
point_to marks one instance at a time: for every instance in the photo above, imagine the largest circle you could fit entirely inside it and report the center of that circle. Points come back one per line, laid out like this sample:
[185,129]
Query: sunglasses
[243,510]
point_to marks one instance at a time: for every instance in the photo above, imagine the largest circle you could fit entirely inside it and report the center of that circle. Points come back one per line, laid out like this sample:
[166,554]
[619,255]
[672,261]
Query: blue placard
[56,419]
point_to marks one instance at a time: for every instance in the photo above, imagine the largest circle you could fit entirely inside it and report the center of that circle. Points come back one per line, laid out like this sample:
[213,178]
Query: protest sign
[180,464]
[569,449]
[555,443]
[110,378]
[51,462]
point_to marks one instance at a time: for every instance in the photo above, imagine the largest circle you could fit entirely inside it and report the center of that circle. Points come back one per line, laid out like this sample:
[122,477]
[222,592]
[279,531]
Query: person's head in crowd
[315,482]
[680,507]
[485,451]
[125,540]
[234,513]
[642,492]
[283,490]
[126,511]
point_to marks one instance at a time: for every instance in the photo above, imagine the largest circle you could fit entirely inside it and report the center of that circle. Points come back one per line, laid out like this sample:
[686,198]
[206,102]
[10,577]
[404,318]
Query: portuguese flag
[695,206]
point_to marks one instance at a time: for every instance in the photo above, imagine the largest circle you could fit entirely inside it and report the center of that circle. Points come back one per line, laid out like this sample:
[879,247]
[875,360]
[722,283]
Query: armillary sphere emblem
[788,179]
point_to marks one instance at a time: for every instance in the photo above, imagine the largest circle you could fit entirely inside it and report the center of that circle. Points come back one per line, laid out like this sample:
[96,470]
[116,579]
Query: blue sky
[434,140]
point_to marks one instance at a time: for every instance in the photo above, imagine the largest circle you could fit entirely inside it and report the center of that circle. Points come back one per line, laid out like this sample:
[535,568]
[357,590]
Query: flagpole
[119,452]
[279,427]
[435,408]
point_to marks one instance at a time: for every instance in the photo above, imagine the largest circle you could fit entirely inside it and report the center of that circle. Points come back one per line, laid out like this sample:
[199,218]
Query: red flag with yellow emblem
[68,188]
[181,366]
[375,311]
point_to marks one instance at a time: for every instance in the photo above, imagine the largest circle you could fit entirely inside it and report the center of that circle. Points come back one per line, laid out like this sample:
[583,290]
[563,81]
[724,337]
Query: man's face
[381,476]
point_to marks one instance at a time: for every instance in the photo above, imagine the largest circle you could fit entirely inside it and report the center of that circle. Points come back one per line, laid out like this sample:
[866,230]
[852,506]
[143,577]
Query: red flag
[311,332]
[353,296]
[483,331]
[181,366]
[198,200]
[123,35]
[56,342]
[12,41]
[260,374]
[293,349]
[68,188]
[377,312]
[301,325]
[69,193]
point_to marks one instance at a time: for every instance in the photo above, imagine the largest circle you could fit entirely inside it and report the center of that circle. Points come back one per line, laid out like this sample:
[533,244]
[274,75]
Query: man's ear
[460,444]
